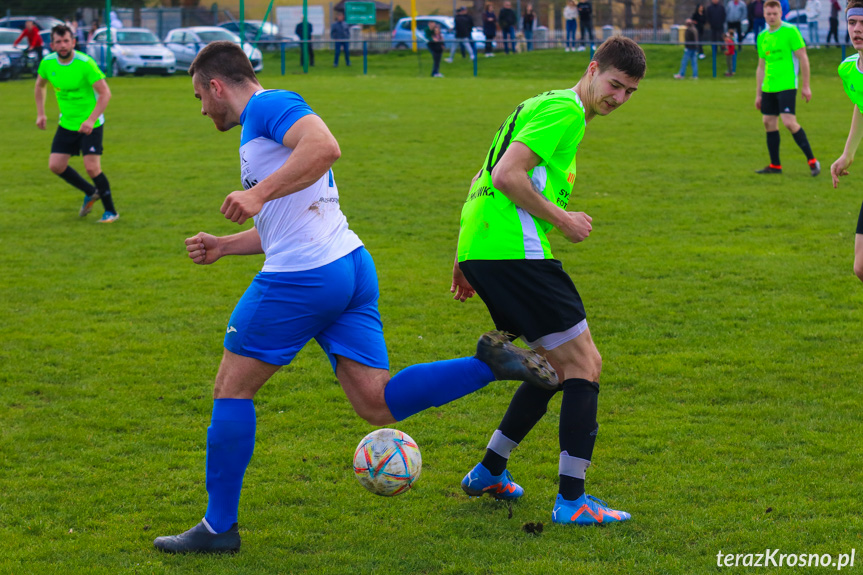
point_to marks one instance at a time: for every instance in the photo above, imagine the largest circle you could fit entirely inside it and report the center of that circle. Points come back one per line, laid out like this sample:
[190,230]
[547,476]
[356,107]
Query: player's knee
[858,268]
[791,124]
[375,413]
[57,167]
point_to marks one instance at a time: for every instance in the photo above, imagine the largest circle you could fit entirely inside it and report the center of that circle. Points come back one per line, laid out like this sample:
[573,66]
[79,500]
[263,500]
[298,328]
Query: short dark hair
[623,54]
[224,60]
[61,30]
[772,3]
[854,4]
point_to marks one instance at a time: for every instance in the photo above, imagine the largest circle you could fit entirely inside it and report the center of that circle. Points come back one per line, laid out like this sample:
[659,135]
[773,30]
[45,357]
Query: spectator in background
[463,29]
[786,8]
[736,13]
[528,19]
[730,53]
[94,25]
[585,17]
[304,33]
[716,19]
[756,18]
[507,20]
[34,41]
[690,51]
[339,30]
[435,46]
[699,19]
[116,23]
[834,22]
[570,15]
[813,11]
[81,29]
[489,28]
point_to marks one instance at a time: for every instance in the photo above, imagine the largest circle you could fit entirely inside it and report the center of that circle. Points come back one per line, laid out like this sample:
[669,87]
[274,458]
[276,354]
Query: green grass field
[723,303]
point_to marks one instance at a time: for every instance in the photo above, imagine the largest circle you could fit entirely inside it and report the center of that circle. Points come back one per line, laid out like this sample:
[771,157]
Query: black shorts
[534,299]
[860,221]
[775,103]
[76,143]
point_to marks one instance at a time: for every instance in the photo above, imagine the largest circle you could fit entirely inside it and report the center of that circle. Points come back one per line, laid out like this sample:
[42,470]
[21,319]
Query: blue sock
[230,443]
[421,386]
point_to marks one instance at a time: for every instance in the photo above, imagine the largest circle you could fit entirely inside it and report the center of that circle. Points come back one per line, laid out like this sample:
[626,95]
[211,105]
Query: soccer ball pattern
[387,462]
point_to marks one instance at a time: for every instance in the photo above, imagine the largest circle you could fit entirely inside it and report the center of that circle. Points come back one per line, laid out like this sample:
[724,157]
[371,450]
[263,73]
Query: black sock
[773,147]
[803,142]
[527,407]
[75,179]
[105,192]
[578,428]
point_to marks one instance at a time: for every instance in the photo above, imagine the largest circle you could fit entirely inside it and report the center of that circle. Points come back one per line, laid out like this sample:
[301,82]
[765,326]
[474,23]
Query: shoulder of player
[52,57]
[848,64]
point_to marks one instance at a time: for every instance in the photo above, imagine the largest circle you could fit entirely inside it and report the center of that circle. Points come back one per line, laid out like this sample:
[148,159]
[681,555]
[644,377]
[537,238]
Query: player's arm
[205,249]
[759,81]
[315,150]
[510,177]
[103,96]
[803,57]
[39,93]
[841,165]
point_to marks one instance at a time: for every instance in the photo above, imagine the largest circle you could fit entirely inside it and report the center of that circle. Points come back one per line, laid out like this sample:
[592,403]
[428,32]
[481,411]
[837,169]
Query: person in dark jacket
[585,20]
[339,30]
[528,19]
[716,16]
[304,32]
[435,46]
[507,20]
[690,52]
[463,29]
[834,22]
[699,19]
[489,28]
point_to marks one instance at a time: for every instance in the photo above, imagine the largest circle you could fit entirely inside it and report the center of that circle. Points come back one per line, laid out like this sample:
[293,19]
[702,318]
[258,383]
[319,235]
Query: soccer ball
[387,462]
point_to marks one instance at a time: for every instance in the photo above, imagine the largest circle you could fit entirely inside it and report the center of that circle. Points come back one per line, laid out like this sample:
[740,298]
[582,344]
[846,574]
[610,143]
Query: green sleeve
[544,130]
[43,71]
[797,41]
[94,74]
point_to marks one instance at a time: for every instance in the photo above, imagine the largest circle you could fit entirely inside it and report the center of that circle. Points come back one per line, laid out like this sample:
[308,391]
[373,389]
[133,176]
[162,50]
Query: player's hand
[840,168]
[242,205]
[203,248]
[758,102]
[41,122]
[460,286]
[87,126]
[806,93]
[576,226]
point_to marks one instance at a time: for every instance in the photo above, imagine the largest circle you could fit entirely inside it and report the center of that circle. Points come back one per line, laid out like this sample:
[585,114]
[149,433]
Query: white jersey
[306,229]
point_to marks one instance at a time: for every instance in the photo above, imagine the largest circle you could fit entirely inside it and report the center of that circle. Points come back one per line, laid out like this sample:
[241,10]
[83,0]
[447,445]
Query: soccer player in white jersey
[318,282]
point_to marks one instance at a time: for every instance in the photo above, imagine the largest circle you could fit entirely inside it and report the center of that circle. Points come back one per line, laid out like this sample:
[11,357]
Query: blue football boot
[480,480]
[586,510]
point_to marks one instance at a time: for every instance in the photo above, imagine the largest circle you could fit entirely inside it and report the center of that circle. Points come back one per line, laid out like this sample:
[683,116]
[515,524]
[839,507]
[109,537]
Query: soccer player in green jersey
[518,196]
[82,96]
[851,72]
[781,50]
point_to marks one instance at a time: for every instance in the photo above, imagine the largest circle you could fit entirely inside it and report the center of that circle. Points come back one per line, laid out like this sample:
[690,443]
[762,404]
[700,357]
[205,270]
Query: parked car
[269,33]
[133,50]
[12,58]
[185,43]
[42,22]
[402,32]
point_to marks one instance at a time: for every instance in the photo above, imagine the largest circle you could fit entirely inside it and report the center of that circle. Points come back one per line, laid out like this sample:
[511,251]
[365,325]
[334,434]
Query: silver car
[185,43]
[134,51]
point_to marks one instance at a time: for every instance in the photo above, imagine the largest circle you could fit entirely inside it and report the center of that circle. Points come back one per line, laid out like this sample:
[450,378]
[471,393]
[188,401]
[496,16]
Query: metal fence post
[283,57]
[714,59]
[476,60]
[365,57]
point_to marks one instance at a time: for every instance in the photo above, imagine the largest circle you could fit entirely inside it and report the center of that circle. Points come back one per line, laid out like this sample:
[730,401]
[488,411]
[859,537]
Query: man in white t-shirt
[318,282]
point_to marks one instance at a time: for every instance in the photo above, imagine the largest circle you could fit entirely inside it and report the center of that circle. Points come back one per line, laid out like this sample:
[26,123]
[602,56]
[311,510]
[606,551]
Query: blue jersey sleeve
[271,114]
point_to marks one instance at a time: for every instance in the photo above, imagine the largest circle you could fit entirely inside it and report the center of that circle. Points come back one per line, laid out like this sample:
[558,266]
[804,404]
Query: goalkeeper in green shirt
[82,96]
[518,196]
[781,53]
[851,72]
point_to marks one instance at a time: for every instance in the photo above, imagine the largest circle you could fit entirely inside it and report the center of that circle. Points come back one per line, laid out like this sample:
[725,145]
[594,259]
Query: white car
[134,51]
[12,58]
[185,43]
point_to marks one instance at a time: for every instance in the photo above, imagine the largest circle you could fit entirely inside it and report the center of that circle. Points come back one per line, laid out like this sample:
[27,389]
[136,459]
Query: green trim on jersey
[780,64]
[73,86]
[852,80]
[492,226]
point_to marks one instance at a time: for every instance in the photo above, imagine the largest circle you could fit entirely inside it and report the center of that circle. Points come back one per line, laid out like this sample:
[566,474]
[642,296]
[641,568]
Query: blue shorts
[336,304]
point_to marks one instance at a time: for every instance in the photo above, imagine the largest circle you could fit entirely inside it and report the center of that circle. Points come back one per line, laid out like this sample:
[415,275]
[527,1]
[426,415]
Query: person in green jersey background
[851,72]
[781,50]
[82,96]
[520,194]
